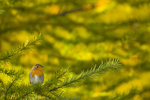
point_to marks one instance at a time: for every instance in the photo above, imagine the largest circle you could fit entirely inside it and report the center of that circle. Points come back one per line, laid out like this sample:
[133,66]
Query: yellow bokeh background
[90,31]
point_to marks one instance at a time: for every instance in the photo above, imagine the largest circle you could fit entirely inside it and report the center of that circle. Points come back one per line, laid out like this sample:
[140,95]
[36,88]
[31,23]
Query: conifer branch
[11,84]
[19,49]
[50,98]
[61,75]
[8,72]
[23,96]
[110,64]
[23,91]
[57,77]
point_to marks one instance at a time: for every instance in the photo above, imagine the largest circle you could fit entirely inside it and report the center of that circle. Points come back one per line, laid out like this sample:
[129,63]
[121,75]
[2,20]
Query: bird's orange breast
[37,72]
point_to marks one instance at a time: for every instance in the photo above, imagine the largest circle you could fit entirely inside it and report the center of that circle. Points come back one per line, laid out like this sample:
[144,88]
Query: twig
[23,95]
[10,87]
[110,64]
[19,49]
[77,9]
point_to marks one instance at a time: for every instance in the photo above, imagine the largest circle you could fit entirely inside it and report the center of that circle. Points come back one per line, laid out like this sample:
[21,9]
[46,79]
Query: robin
[36,75]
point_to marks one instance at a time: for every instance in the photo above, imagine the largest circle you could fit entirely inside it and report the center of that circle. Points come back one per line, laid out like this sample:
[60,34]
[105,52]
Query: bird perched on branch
[36,75]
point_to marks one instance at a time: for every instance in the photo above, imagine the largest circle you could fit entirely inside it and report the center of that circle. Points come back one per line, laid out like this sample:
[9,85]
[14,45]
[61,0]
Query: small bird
[36,75]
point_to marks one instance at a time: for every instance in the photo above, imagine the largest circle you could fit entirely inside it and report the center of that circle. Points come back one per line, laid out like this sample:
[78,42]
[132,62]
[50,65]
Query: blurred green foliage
[78,34]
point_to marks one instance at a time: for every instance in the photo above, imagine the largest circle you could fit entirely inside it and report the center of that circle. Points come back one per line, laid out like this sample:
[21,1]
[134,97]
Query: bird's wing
[30,76]
[42,78]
